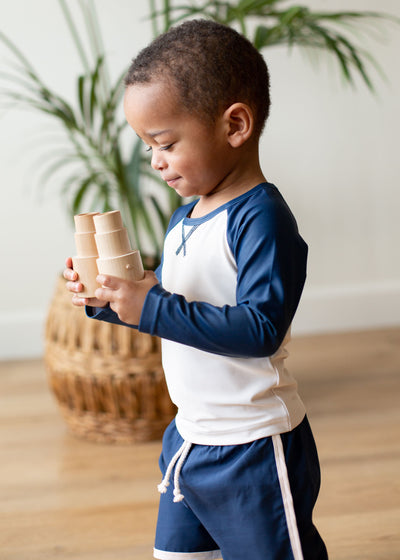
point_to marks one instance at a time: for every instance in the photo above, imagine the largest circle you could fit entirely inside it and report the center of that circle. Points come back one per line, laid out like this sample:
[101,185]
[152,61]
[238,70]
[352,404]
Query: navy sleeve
[106,314]
[271,269]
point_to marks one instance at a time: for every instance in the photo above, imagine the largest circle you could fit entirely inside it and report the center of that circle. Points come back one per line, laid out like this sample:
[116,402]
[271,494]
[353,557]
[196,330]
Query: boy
[240,451]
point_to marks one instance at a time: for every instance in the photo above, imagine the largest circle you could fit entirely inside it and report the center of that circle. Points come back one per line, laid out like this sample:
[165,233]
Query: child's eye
[166,147]
[148,148]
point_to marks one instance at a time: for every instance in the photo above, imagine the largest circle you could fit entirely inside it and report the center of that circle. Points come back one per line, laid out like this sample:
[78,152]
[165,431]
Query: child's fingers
[109,281]
[73,286]
[70,274]
[105,295]
[79,301]
[108,284]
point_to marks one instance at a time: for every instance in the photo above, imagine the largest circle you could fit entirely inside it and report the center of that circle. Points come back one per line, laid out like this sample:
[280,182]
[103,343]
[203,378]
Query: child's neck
[210,202]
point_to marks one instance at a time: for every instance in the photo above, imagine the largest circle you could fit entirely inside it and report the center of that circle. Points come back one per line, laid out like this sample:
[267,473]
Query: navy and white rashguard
[230,283]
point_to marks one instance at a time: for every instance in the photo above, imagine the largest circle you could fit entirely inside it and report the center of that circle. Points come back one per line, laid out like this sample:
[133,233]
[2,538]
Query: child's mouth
[172,182]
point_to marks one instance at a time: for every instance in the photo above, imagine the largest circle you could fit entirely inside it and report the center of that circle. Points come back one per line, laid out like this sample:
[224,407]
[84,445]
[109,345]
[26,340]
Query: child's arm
[270,256]
[271,267]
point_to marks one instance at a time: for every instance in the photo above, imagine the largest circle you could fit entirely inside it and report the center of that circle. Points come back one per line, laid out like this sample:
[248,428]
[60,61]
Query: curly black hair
[211,66]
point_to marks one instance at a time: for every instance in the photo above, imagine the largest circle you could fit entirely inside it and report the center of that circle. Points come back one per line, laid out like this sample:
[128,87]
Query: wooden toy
[112,243]
[128,267]
[109,221]
[103,246]
[116,257]
[85,262]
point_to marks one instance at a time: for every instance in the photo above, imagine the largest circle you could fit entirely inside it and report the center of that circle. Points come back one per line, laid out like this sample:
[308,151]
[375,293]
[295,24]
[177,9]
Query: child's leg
[179,534]
[250,501]
[303,475]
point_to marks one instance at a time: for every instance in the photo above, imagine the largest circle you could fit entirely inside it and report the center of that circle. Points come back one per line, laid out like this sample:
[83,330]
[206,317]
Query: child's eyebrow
[155,134]
[159,132]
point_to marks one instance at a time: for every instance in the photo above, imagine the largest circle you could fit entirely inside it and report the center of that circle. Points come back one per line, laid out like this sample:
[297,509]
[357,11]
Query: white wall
[333,151]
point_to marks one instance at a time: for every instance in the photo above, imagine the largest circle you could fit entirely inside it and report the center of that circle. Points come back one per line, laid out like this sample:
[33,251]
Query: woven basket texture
[107,379]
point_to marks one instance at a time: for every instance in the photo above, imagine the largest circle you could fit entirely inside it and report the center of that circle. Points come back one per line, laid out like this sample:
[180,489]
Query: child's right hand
[73,285]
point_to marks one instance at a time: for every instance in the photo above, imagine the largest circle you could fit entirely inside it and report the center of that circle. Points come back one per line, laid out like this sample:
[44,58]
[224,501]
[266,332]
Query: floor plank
[63,498]
[351,386]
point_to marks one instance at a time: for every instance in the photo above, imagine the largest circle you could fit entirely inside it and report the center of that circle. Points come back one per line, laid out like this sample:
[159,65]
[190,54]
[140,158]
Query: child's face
[193,157]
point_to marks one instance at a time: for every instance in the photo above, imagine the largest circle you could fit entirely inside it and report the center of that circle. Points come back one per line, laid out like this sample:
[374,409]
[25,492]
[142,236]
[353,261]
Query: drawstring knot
[179,458]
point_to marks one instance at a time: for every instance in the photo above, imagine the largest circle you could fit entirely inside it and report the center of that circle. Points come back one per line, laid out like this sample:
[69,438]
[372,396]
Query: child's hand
[125,297]
[75,287]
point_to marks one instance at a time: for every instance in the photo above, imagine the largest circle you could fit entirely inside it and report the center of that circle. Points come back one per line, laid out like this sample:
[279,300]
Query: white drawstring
[179,458]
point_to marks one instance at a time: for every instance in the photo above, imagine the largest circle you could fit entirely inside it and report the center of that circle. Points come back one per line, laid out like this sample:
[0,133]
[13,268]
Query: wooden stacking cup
[109,221]
[87,270]
[116,257]
[84,223]
[110,244]
[85,262]
[127,267]
[86,244]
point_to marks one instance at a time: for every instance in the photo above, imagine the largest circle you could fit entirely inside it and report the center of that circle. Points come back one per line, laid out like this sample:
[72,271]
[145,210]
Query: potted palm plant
[107,379]
[95,173]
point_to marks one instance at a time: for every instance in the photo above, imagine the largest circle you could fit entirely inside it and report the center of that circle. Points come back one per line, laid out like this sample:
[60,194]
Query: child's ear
[239,119]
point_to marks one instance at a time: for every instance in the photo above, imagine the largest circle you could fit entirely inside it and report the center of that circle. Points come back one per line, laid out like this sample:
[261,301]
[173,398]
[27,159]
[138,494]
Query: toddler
[239,463]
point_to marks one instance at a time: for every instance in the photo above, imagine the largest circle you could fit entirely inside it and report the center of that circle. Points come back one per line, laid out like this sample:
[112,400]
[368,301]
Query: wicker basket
[107,379]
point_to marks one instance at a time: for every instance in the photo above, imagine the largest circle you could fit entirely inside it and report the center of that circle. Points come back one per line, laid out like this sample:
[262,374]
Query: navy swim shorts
[240,502]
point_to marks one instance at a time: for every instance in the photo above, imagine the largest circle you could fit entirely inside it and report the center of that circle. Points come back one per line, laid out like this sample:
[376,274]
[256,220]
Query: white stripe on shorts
[164,555]
[287,497]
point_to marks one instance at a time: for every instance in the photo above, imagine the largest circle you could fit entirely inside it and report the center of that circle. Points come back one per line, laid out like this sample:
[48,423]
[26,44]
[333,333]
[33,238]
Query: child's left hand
[125,297]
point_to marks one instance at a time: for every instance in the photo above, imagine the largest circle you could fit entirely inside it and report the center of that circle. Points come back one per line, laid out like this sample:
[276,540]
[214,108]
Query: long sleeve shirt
[230,283]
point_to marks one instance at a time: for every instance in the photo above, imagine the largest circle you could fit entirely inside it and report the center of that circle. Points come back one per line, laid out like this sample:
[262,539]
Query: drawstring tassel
[179,458]
[162,488]
[178,496]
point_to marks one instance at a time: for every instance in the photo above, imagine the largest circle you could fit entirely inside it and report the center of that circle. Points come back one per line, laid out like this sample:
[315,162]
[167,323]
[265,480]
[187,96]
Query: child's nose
[157,160]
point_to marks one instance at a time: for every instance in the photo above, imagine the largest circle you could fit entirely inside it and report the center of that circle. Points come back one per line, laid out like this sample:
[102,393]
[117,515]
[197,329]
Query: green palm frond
[91,171]
[273,23]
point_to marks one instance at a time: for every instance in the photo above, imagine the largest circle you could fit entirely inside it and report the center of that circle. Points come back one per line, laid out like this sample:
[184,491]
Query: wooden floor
[63,498]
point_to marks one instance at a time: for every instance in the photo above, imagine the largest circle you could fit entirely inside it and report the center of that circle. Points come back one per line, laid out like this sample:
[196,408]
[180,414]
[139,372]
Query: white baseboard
[322,310]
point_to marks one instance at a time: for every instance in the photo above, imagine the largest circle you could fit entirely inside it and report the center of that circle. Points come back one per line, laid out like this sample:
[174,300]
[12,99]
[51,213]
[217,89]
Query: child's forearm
[239,331]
